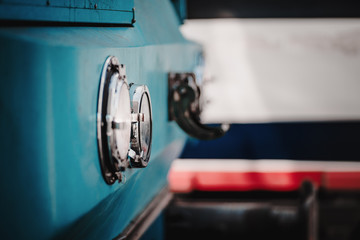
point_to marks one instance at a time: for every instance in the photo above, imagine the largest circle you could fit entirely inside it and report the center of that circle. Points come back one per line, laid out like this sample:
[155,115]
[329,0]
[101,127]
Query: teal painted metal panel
[51,181]
[85,11]
[180,6]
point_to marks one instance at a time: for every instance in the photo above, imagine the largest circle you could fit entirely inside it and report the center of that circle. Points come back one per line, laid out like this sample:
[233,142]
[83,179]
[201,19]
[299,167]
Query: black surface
[260,215]
[298,141]
[272,9]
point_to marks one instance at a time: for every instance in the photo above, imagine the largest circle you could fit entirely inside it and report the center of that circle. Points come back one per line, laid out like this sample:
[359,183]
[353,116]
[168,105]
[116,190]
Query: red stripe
[187,181]
[234,181]
[342,180]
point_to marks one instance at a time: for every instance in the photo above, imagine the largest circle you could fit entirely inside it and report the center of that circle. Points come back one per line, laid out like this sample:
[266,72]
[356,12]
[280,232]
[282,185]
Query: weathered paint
[85,11]
[51,182]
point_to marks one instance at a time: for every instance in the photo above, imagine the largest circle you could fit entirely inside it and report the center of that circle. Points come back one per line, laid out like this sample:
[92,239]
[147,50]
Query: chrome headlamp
[124,126]
[113,120]
[141,134]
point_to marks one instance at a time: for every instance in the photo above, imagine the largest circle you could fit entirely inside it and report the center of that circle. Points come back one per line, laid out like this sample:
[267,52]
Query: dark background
[328,141]
[272,8]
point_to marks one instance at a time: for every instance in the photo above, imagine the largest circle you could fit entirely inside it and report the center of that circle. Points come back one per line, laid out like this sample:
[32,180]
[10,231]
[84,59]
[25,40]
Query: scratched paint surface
[50,177]
[84,11]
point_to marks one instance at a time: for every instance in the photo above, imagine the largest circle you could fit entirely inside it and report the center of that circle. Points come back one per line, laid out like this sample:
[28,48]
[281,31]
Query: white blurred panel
[265,70]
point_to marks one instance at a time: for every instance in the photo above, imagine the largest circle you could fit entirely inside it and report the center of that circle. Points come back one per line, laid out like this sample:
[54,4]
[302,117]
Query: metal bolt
[176,96]
[119,176]
[114,60]
[112,179]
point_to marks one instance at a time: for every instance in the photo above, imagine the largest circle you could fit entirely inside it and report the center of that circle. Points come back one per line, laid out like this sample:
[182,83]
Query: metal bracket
[184,107]
[133,20]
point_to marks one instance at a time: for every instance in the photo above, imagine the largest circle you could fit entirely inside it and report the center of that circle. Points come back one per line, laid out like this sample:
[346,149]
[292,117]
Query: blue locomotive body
[51,181]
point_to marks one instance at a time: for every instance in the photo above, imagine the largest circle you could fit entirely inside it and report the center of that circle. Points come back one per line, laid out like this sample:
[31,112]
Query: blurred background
[263,68]
[285,74]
